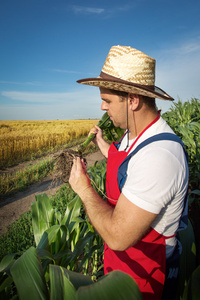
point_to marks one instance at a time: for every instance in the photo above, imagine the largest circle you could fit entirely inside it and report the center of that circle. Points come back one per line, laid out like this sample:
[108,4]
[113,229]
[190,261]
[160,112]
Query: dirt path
[12,207]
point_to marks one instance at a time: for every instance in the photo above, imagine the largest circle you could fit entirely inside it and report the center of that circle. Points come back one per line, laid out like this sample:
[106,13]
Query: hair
[150,102]
[123,95]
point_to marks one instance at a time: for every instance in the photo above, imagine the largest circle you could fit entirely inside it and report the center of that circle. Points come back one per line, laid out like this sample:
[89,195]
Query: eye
[107,101]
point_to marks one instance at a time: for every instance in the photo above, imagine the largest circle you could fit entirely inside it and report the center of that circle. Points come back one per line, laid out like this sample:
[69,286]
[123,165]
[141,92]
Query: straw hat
[128,70]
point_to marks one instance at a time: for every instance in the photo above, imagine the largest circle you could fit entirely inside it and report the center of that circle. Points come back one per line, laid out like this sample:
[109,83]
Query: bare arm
[120,227]
[99,141]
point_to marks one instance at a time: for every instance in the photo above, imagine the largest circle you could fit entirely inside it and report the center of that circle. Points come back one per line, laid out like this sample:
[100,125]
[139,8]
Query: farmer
[147,177]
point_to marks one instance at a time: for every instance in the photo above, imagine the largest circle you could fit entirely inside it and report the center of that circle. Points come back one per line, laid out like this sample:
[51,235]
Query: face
[115,107]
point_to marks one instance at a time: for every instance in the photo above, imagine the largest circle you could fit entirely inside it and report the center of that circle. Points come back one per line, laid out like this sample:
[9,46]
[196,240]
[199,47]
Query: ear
[134,101]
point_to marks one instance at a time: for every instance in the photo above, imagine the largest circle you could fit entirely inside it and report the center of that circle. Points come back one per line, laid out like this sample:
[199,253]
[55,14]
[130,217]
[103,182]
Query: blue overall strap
[122,171]
[117,144]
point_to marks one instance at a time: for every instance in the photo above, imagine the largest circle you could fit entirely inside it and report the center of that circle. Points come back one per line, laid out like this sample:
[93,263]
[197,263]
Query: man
[147,177]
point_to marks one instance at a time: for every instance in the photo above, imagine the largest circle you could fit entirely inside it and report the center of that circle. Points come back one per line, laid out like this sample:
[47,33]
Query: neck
[139,121]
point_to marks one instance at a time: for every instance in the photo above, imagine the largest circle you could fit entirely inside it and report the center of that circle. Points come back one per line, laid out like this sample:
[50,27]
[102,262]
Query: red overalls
[146,260]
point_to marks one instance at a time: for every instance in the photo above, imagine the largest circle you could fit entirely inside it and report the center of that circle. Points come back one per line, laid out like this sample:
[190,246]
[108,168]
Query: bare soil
[12,207]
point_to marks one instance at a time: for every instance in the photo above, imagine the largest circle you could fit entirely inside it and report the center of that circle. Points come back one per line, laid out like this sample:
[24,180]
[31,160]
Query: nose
[104,106]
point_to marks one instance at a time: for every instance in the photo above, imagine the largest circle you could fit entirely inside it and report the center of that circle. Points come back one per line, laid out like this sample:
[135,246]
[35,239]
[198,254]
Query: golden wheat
[21,140]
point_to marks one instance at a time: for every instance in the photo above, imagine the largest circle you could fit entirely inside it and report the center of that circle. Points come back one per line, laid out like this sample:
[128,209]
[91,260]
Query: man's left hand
[79,179]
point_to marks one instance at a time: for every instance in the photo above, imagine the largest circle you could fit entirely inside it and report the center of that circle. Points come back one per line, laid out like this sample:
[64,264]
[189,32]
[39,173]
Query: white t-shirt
[157,180]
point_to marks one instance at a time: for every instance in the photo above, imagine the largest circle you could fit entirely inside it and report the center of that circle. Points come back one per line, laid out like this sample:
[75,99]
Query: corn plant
[27,275]
[181,113]
[187,263]
[97,174]
[184,119]
[31,282]
[68,241]
[190,134]
[192,290]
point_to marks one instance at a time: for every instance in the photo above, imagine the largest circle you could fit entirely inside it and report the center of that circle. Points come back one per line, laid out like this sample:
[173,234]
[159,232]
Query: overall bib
[146,260]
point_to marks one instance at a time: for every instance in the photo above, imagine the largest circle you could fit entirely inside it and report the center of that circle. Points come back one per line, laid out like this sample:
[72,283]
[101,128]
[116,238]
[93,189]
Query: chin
[115,124]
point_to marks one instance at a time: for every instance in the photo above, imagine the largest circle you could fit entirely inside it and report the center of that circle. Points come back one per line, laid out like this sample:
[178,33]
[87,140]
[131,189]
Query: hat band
[113,78]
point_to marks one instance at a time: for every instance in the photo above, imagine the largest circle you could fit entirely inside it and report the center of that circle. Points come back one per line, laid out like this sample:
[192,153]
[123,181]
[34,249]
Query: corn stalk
[112,133]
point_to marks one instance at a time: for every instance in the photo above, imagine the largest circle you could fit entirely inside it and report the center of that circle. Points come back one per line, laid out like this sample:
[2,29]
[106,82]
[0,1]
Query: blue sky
[46,45]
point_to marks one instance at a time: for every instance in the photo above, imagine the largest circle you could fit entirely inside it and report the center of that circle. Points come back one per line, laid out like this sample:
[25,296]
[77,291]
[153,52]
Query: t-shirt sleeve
[152,179]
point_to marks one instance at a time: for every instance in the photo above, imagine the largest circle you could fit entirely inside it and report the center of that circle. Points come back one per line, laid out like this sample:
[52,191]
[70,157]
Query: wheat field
[23,140]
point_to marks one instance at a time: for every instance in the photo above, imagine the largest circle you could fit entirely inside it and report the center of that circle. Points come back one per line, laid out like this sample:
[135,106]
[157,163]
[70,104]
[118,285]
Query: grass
[19,235]
[11,184]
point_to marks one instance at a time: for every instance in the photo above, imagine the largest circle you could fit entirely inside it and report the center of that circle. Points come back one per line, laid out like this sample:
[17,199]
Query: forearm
[120,227]
[100,214]
[103,146]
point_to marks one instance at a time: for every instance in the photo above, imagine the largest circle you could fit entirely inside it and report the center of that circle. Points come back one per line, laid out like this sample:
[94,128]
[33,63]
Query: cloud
[87,95]
[71,72]
[126,7]
[87,10]
[32,83]
[190,48]
[52,112]
[85,103]
[177,71]
[106,13]
[66,71]
[38,97]
[186,47]
[35,83]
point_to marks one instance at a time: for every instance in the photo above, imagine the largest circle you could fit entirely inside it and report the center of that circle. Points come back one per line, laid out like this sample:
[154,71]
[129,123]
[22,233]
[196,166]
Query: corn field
[23,140]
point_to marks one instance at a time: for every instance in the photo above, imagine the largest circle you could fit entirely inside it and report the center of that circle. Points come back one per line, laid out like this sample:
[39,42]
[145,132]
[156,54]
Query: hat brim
[125,86]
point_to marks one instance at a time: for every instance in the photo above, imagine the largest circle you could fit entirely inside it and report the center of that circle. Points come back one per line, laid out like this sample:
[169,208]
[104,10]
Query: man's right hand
[98,134]
[99,141]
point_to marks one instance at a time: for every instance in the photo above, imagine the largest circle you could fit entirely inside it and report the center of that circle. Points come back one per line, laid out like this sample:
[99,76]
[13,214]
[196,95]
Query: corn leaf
[49,237]
[28,276]
[79,248]
[196,192]
[78,279]
[87,256]
[4,286]
[116,285]
[60,286]
[194,286]
[42,216]
[188,256]
[6,262]
[44,254]
[72,211]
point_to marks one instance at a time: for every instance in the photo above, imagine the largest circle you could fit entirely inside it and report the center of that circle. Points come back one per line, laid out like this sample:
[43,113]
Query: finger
[74,163]
[74,166]
[78,164]
[98,129]
[83,165]
[92,131]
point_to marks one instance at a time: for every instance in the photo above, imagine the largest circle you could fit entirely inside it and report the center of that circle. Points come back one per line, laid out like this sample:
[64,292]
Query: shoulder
[154,176]
[165,158]
[160,129]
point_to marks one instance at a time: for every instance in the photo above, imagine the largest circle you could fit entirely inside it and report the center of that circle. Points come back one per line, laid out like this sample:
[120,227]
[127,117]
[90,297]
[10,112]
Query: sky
[47,45]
